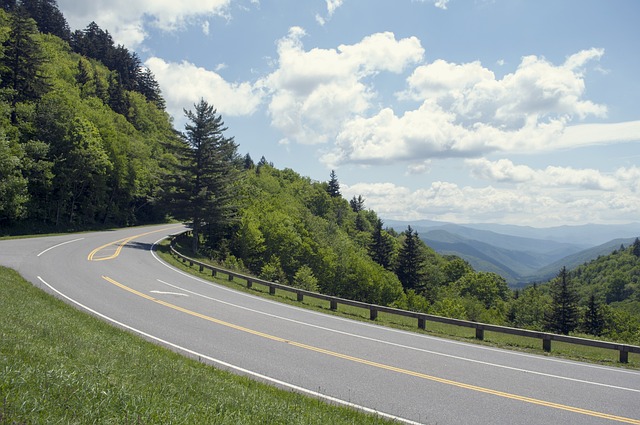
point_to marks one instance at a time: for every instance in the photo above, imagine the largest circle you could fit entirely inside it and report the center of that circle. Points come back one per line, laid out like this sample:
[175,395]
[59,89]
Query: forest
[85,142]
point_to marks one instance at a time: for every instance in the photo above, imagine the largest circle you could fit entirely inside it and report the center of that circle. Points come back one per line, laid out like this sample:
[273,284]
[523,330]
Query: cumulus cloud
[523,205]
[505,171]
[184,84]
[466,111]
[129,28]
[314,92]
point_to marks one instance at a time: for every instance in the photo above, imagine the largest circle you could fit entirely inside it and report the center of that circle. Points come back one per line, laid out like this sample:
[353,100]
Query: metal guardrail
[423,318]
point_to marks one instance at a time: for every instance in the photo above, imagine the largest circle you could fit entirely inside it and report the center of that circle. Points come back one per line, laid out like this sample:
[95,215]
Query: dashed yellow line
[476,388]
[119,244]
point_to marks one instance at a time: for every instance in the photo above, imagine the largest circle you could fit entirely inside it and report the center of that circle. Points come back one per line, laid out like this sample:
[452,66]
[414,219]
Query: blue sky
[501,111]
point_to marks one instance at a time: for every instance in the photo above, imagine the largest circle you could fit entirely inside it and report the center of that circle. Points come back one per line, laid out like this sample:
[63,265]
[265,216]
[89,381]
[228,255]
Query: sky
[466,111]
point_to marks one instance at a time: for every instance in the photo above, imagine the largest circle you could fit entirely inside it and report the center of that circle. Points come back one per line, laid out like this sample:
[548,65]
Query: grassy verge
[59,365]
[530,345]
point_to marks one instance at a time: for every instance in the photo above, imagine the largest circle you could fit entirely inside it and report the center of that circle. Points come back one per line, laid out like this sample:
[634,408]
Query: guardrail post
[479,332]
[546,343]
[373,314]
[422,323]
[249,283]
[334,305]
[190,263]
[624,355]
[272,290]
[300,297]
[213,272]
[230,278]
[201,268]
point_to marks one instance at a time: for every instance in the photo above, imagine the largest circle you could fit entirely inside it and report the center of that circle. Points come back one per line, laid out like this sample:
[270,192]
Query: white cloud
[126,19]
[205,27]
[506,171]
[332,5]
[314,92]
[466,111]
[440,4]
[184,84]
[526,204]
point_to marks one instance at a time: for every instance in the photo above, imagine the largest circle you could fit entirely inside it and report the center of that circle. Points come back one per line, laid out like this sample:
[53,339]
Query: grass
[494,339]
[61,366]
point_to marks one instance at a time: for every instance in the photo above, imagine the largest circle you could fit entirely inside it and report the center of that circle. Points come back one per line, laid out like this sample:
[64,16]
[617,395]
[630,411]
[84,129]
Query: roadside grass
[62,366]
[494,339]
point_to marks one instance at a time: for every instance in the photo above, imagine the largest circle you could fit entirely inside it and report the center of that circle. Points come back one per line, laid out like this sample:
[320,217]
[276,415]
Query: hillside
[79,146]
[521,259]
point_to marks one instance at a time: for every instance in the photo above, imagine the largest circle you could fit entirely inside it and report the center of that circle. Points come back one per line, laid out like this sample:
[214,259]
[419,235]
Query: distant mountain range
[520,254]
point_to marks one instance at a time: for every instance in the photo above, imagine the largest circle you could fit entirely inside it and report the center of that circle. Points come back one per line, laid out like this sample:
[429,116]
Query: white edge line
[388,329]
[393,344]
[60,244]
[233,367]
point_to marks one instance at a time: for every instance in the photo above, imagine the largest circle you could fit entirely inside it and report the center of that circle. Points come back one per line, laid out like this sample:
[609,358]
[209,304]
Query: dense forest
[85,142]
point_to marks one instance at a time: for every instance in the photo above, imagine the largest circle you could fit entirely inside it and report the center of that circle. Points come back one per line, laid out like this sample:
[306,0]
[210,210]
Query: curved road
[410,377]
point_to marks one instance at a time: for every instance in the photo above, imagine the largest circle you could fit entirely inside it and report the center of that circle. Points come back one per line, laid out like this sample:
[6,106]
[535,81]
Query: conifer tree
[410,267]
[381,249]
[563,316]
[594,319]
[333,188]
[204,192]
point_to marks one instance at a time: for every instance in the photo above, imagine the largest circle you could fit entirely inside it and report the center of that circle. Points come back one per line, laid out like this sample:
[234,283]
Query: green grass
[61,366]
[494,339]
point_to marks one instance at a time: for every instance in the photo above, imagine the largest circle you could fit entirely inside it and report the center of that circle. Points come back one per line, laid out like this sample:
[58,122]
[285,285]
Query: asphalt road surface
[410,377]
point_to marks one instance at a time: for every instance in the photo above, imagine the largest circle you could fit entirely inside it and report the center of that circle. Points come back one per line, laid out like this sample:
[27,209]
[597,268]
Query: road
[407,376]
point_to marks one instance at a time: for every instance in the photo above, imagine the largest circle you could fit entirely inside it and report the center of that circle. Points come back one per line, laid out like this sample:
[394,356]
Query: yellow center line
[120,244]
[380,365]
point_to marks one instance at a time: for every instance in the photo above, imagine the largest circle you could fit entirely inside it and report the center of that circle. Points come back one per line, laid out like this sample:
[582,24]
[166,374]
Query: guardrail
[422,318]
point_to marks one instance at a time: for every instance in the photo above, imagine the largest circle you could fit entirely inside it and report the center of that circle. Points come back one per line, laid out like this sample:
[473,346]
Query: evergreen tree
[48,17]
[410,261]
[594,322]
[333,188]
[636,248]
[381,248]
[205,193]
[357,204]
[20,66]
[563,316]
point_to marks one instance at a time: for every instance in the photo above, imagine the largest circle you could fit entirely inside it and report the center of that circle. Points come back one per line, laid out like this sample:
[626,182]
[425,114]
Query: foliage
[563,315]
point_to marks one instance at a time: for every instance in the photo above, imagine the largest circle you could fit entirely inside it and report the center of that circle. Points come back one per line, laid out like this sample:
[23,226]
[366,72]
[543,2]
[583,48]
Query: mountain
[522,254]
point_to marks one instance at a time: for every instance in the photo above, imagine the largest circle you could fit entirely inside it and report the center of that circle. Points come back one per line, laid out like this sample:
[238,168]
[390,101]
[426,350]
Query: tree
[21,64]
[381,248]
[357,204]
[410,261]
[636,247]
[333,189]
[48,17]
[563,316]
[594,322]
[13,186]
[204,194]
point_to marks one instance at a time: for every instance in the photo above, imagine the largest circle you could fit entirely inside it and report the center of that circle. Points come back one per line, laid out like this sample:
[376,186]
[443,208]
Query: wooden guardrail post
[422,323]
[333,305]
[249,283]
[272,290]
[373,314]
[479,332]
[546,343]
[300,296]
[230,278]
[624,355]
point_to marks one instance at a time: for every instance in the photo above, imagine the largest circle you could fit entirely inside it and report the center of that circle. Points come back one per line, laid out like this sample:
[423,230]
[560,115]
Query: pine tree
[636,247]
[205,193]
[333,188]
[563,316]
[48,17]
[594,319]
[410,262]
[381,249]
[357,204]
[20,66]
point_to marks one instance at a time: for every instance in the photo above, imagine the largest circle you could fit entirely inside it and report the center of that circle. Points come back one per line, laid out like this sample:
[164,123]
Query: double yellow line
[380,365]
[119,244]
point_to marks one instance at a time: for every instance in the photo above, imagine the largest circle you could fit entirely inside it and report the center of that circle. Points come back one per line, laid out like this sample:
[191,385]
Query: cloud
[505,171]
[465,111]
[526,204]
[129,28]
[184,83]
[440,4]
[314,92]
